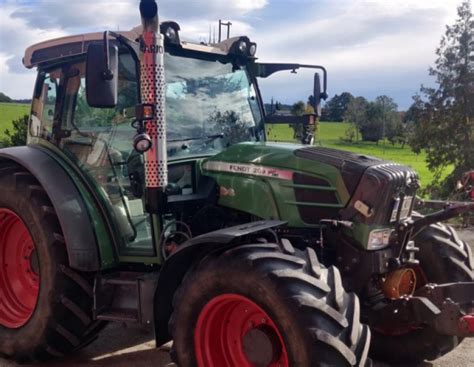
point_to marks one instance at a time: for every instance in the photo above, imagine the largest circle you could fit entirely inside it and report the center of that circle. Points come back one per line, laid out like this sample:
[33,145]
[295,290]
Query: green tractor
[243,252]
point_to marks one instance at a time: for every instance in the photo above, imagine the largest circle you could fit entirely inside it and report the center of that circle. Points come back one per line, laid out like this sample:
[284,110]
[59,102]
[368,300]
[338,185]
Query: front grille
[313,200]
[379,188]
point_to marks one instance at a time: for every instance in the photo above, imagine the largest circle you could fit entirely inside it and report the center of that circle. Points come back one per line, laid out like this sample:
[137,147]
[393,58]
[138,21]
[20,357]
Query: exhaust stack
[152,78]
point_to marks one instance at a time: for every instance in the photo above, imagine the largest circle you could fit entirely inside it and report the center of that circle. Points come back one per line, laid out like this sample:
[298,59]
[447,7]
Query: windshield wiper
[209,137]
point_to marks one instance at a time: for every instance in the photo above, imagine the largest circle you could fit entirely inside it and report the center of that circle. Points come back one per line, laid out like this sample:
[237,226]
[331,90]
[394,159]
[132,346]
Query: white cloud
[370,47]
[15,36]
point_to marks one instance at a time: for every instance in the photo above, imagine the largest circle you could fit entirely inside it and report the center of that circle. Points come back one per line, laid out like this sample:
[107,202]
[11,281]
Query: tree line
[370,120]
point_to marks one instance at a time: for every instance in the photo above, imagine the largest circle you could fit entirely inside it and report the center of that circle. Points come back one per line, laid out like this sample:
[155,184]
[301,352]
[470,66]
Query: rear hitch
[447,308]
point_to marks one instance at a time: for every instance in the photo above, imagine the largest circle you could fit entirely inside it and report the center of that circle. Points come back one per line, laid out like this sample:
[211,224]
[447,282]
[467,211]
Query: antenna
[224,24]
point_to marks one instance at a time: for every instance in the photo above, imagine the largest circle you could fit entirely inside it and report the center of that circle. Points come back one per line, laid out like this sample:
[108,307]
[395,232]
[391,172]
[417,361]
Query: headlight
[379,238]
[243,46]
[404,205]
[170,33]
[253,49]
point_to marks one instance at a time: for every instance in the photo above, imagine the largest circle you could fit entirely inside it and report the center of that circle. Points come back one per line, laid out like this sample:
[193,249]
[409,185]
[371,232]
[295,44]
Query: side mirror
[317,95]
[101,75]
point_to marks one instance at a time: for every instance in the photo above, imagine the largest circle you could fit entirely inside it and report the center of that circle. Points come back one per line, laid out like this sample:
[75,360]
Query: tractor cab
[212,103]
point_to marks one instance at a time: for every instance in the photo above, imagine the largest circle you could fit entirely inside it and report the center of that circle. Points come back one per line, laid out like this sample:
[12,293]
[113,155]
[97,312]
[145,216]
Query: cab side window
[43,116]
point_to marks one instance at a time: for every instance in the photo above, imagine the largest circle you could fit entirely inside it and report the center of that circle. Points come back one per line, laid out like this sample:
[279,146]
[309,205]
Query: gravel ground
[122,346]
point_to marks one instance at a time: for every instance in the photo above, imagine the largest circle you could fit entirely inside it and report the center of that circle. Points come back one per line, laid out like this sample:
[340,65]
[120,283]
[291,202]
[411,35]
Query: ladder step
[124,314]
[122,278]
[120,281]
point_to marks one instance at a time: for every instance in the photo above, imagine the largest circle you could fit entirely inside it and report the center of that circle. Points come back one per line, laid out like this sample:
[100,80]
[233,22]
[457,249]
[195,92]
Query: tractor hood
[302,185]
[282,161]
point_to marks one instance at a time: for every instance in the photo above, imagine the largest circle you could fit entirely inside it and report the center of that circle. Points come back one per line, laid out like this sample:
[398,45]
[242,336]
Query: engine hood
[281,161]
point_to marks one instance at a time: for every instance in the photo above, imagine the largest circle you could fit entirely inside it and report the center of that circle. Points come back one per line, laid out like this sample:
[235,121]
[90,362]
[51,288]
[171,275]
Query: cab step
[125,297]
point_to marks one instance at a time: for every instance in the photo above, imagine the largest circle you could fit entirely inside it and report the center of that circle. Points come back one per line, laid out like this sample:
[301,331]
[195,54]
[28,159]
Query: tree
[232,127]
[337,106]
[4,98]
[19,133]
[444,115]
[298,108]
[382,115]
[392,128]
[356,114]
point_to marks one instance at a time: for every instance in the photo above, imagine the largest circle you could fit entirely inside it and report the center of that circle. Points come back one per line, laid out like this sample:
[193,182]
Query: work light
[243,47]
[142,142]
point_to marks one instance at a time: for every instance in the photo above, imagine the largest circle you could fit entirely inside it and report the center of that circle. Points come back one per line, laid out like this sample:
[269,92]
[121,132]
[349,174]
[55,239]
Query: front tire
[444,258]
[56,301]
[256,306]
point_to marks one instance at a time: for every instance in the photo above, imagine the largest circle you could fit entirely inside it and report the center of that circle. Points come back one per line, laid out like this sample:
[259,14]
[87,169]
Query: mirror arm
[108,74]
[264,70]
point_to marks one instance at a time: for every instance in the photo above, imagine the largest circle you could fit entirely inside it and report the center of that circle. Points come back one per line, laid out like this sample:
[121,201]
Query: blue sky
[369,47]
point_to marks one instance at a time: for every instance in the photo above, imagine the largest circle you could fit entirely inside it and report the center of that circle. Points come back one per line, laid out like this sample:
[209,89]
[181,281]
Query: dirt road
[119,346]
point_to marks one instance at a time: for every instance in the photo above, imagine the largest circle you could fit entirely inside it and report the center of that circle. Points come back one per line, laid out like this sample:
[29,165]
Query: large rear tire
[45,306]
[444,258]
[257,306]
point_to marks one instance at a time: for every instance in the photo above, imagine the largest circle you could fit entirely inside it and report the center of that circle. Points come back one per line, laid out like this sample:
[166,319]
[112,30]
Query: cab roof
[56,49]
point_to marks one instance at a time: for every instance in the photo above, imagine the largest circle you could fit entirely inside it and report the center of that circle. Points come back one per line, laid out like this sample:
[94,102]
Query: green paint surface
[272,197]
[104,240]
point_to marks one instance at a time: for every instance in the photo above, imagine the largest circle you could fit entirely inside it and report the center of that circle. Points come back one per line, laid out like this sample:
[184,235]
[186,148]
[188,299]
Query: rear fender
[67,201]
[190,253]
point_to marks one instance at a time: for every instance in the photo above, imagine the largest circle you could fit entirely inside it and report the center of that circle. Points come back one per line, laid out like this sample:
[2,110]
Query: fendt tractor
[147,194]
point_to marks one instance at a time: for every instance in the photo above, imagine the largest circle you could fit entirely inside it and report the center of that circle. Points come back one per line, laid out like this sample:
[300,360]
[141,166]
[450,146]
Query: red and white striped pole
[152,78]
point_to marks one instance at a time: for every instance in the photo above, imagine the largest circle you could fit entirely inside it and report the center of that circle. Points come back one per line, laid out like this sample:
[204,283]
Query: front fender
[67,201]
[190,253]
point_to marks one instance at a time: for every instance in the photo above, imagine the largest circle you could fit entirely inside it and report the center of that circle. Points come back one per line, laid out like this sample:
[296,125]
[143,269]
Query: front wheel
[256,306]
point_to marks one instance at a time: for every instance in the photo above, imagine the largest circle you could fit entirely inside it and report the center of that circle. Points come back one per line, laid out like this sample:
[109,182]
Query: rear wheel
[19,273]
[45,306]
[444,258]
[256,306]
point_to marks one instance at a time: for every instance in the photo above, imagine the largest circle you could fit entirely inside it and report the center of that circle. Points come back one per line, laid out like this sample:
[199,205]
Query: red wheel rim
[234,331]
[19,279]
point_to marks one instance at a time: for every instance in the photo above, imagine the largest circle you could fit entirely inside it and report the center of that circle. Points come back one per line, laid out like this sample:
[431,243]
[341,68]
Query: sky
[369,47]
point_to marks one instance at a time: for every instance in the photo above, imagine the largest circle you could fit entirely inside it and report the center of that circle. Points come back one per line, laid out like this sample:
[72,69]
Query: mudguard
[71,210]
[176,266]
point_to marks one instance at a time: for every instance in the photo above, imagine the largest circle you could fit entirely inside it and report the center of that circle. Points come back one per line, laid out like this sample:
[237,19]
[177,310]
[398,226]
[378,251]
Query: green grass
[10,112]
[330,134]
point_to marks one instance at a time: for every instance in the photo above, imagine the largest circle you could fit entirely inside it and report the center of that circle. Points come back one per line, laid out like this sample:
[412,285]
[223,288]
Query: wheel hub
[261,346]
[19,271]
[234,331]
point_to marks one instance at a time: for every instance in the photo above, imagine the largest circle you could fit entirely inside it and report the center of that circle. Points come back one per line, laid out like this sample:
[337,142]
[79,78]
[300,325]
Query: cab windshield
[209,106]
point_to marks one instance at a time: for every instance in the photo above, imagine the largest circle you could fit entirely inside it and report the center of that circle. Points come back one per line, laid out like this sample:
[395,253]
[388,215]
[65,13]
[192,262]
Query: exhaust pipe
[152,81]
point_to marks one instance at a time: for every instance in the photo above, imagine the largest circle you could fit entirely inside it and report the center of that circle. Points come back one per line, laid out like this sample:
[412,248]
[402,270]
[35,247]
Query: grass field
[330,134]
[10,112]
